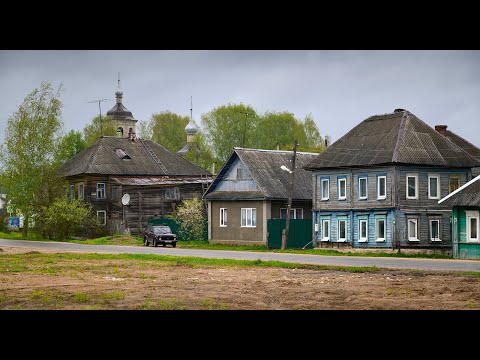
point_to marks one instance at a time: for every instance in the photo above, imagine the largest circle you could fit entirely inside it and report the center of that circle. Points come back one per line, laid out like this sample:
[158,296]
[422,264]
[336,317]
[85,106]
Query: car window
[161,230]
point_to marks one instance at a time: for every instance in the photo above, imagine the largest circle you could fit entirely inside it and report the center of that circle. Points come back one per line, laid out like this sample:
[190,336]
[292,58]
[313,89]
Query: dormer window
[122,154]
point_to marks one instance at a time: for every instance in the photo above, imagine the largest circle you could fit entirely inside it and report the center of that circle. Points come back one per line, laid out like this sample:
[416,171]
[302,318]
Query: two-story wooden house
[379,184]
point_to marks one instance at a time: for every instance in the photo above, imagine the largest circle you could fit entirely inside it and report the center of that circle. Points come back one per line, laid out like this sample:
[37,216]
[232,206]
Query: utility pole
[99,109]
[289,206]
[245,126]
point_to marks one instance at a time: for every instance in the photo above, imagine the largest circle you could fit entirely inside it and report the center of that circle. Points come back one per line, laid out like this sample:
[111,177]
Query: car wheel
[155,243]
[164,244]
[145,241]
[174,244]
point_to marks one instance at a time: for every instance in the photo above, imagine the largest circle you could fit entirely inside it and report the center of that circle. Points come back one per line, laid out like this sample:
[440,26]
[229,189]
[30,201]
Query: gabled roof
[264,166]
[396,138]
[471,149]
[466,195]
[102,158]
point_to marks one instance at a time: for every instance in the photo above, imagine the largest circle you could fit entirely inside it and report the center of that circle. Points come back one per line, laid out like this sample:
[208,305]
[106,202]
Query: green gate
[175,227]
[299,233]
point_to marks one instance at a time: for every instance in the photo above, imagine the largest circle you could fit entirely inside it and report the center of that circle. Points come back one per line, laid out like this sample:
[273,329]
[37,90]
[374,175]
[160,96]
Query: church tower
[122,117]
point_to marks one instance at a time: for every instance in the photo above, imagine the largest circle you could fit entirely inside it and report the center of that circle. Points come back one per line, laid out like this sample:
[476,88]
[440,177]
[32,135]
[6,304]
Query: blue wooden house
[465,205]
[378,185]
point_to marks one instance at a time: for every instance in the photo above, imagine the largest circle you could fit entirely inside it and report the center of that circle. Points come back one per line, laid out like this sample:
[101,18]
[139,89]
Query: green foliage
[64,218]
[227,126]
[70,145]
[190,215]
[200,153]
[104,126]
[31,139]
[168,129]
[143,130]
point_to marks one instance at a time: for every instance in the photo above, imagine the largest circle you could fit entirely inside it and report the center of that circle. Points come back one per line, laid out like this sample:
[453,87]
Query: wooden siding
[231,182]
[234,232]
[461,248]
[277,205]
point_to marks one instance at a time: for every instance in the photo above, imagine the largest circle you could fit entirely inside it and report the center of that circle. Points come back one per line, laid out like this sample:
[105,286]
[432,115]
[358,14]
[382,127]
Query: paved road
[392,263]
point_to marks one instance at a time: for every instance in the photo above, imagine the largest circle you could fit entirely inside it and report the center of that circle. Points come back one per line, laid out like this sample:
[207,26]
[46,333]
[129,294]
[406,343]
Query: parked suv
[159,234]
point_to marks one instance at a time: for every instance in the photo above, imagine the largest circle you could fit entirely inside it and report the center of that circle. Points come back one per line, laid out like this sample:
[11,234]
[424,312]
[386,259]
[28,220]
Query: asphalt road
[392,263]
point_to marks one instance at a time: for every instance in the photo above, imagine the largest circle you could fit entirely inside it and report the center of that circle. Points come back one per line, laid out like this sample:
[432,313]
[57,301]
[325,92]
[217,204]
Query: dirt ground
[132,284]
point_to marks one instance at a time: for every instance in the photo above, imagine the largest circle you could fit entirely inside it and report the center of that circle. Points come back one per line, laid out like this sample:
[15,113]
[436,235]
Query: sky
[338,88]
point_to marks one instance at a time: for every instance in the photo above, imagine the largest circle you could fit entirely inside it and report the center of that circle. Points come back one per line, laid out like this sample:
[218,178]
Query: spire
[119,92]
[191,129]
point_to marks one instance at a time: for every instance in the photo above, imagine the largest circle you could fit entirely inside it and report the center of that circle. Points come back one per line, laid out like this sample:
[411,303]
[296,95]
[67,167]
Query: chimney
[398,110]
[442,129]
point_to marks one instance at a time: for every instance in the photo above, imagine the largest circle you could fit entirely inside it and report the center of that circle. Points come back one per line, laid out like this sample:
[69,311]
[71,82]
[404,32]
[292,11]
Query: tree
[227,126]
[99,127]
[168,129]
[65,218]
[31,139]
[70,145]
[313,140]
[143,130]
[279,129]
[200,153]
[190,215]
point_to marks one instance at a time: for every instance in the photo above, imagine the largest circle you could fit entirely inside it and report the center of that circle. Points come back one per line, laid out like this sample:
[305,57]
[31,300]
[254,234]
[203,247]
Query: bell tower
[122,117]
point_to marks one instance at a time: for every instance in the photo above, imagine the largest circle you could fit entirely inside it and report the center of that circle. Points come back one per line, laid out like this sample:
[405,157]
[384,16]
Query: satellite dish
[125,199]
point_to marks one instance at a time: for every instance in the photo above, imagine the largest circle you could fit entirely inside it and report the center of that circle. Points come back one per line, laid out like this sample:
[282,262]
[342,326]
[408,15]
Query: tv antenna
[99,109]
[245,125]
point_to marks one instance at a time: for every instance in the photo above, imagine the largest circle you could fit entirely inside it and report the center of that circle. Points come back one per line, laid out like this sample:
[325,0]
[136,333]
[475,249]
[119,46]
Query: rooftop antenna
[191,108]
[100,110]
[245,126]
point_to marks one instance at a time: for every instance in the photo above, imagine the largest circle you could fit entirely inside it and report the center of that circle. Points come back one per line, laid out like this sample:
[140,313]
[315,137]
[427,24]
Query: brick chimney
[442,129]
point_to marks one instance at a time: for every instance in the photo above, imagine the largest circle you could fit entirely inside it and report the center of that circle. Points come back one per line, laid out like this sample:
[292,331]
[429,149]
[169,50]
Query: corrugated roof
[264,166]
[468,196]
[101,158]
[159,180]
[235,195]
[399,137]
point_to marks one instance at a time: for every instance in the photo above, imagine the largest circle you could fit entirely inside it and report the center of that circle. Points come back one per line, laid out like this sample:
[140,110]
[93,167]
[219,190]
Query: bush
[190,216]
[3,223]
[64,219]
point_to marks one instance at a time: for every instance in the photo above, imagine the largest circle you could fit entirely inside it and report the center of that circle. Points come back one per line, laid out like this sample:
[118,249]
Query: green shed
[465,204]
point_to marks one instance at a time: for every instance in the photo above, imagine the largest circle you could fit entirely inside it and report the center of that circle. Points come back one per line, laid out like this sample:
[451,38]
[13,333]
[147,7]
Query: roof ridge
[400,136]
[253,176]
[267,150]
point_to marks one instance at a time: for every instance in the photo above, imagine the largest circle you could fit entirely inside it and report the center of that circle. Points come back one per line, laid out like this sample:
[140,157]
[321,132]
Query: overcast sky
[338,88]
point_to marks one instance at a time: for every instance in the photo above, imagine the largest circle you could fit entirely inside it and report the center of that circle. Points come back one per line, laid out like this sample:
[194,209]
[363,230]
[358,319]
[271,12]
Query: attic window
[122,154]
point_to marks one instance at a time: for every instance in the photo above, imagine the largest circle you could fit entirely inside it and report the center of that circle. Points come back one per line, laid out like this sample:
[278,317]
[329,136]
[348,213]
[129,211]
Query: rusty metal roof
[396,138]
[159,180]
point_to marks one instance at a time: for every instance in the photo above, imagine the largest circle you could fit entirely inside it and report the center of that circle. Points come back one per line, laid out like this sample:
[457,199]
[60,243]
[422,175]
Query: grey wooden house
[156,179]
[252,188]
[379,184]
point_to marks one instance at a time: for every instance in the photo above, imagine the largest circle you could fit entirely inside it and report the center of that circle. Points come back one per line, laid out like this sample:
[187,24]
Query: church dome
[191,129]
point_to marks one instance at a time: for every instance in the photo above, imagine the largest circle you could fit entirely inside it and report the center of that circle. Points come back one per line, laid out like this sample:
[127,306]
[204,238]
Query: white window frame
[104,216]
[360,238]
[434,176]
[326,238]
[81,194]
[381,197]
[360,188]
[471,214]
[328,189]
[431,232]
[253,219]
[377,228]
[104,190]
[340,197]
[339,238]
[223,217]
[72,192]
[416,186]
[416,230]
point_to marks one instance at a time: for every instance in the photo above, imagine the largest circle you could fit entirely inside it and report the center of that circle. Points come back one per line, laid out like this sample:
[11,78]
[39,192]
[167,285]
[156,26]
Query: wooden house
[378,185]
[252,188]
[465,205]
[155,178]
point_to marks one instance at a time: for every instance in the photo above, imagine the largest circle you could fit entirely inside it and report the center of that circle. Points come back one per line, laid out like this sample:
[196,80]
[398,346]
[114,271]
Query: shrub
[190,216]
[64,218]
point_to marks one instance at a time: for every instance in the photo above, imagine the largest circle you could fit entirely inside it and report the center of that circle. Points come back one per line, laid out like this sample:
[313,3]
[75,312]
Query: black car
[159,234]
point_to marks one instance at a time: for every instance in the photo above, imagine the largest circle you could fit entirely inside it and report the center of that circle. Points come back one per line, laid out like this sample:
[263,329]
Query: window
[472,226]
[326,230]
[413,230]
[381,187]
[249,217]
[412,185]
[435,230]
[325,189]
[433,186]
[239,173]
[342,189]
[100,190]
[172,194]
[120,132]
[453,183]
[342,230]
[362,188]
[295,213]
[223,217]
[363,230]
[102,217]
[380,230]
[72,192]
[81,192]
